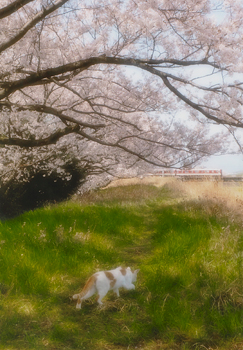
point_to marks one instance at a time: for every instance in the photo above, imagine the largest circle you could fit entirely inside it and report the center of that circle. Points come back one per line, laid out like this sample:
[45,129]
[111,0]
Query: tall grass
[189,290]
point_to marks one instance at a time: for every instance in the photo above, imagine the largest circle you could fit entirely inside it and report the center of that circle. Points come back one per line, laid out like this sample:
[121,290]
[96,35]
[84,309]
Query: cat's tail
[88,290]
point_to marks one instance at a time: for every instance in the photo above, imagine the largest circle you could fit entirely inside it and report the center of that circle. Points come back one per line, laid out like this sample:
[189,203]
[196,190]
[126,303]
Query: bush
[41,187]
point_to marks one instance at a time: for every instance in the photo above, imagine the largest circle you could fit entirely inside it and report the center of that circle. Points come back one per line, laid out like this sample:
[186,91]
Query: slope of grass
[189,290]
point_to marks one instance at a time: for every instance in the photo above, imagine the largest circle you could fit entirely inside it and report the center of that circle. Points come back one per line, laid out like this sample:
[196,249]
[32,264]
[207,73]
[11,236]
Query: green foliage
[188,294]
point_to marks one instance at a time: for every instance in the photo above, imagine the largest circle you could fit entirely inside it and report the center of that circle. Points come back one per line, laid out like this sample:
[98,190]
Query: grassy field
[186,239]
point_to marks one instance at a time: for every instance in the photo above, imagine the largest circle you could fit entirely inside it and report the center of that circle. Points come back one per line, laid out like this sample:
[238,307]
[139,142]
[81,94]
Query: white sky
[230,164]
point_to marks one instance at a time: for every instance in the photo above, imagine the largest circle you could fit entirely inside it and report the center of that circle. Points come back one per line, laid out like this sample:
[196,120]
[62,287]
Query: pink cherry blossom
[118,84]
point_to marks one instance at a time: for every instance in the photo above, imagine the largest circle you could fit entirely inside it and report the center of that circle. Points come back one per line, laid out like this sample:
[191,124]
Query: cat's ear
[136,271]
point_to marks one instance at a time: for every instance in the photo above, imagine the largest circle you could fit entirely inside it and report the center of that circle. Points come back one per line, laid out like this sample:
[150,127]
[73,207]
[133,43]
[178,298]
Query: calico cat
[103,281]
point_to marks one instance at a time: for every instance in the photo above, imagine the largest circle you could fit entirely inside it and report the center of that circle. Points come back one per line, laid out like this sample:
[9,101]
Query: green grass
[189,290]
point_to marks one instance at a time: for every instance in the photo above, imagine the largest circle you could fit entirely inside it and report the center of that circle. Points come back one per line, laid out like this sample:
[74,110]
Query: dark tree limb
[52,139]
[45,75]
[13,7]
[53,111]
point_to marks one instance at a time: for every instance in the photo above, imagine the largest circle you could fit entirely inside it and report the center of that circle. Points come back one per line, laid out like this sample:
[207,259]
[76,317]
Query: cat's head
[134,275]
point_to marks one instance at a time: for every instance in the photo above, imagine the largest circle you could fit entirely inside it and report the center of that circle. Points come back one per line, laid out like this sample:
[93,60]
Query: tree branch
[197,107]
[184,63]
[59,114]
[52,139]
[124,148]
[37,18]
[13,7]
[44,75]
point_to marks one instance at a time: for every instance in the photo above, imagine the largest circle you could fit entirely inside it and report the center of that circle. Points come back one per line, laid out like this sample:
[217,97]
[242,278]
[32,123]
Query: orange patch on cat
[91,281]
[112,283]
[109,275]
[112,279]
[123,271]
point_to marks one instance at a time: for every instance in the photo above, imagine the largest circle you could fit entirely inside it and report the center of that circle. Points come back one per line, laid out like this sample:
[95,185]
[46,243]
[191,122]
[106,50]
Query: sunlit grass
[189,290]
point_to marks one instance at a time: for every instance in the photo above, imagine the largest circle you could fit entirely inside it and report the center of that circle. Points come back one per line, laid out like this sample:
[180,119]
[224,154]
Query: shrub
[39,188]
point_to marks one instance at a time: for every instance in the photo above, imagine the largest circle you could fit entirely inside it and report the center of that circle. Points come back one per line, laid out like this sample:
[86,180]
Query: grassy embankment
[187,240]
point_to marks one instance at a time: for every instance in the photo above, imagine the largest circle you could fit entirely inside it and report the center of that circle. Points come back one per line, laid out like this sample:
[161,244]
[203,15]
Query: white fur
[100,283]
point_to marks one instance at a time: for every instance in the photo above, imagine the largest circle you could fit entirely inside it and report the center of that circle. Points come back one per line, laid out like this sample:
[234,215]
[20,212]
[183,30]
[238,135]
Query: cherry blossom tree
[118,83]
